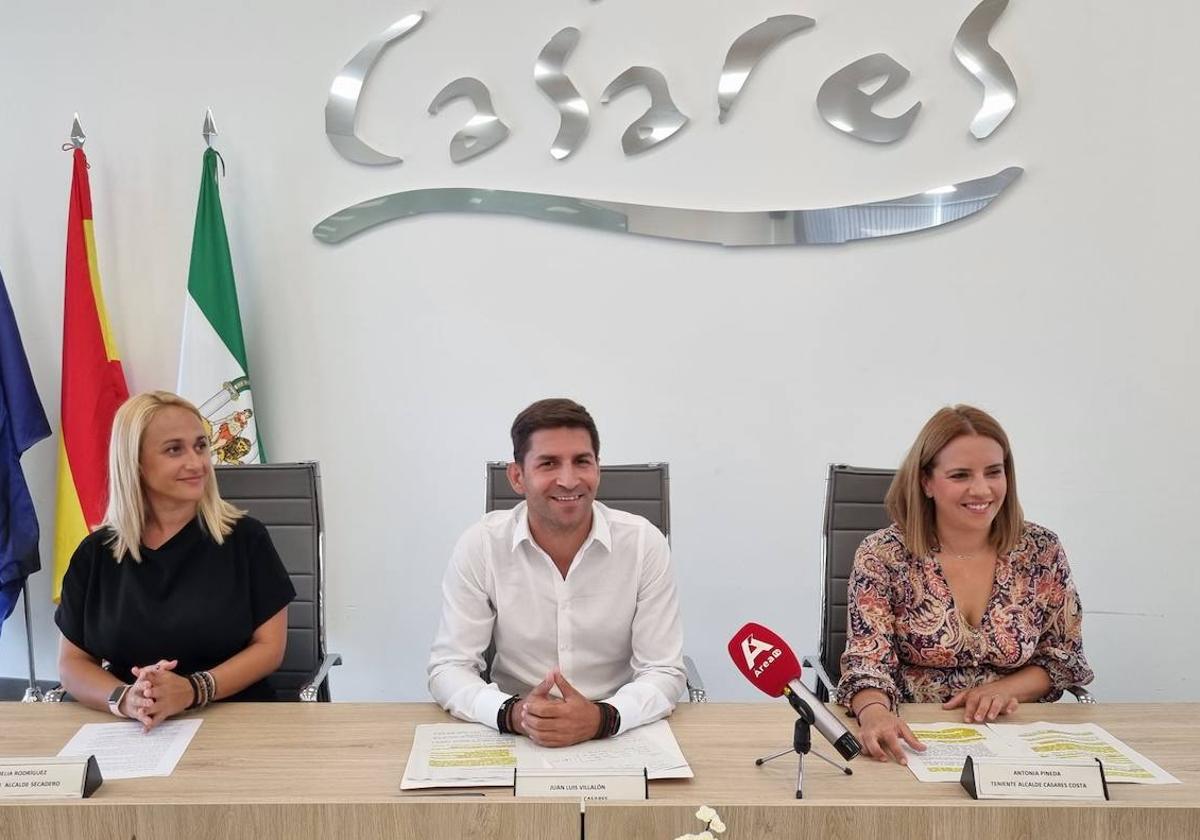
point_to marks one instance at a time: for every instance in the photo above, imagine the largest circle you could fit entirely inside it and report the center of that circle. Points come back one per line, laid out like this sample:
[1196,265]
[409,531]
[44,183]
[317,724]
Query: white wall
[1069,309]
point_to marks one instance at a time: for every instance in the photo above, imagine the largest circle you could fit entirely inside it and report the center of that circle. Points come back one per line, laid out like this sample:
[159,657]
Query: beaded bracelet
[204,689]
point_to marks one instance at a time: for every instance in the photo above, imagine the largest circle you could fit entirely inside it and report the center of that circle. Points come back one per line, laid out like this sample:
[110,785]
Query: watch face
[117,694]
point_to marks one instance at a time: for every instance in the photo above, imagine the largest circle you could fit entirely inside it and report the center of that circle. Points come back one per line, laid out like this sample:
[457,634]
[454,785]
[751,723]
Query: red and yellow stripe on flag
[93,385]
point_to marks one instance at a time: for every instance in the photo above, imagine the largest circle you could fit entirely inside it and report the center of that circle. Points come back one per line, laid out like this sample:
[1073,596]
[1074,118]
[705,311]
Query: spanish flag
[93,385]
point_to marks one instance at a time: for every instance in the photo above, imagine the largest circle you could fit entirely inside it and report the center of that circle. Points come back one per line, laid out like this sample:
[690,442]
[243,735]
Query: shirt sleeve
[657,660]
[870,659]
[464,633]
[1060,646]
[271,588]
[70,613]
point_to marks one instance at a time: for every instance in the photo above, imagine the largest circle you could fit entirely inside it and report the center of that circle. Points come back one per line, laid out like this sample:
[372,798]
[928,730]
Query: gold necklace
[962,557]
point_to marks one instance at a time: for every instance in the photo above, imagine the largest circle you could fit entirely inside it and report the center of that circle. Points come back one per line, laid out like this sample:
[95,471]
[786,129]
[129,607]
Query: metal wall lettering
[843,104]
[341,108]
[747,50]
[549,76]
[662,119]
[981,60]
[483,131]
[921,211]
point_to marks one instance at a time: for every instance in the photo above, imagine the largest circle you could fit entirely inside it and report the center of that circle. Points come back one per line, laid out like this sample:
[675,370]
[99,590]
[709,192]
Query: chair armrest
[1082,695]
[813,663]
[308,691]
[695,683]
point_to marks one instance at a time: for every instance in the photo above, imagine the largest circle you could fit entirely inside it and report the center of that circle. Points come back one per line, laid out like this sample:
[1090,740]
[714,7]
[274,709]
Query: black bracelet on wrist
[503,723]
[610,721]
[887,704]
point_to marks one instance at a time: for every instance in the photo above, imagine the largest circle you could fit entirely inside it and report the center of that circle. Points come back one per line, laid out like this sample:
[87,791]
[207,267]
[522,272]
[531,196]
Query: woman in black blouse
[178,591]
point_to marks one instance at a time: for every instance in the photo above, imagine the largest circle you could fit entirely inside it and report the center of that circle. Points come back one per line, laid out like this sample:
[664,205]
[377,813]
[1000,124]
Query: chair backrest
[644,489]
[853,509]
[287,499]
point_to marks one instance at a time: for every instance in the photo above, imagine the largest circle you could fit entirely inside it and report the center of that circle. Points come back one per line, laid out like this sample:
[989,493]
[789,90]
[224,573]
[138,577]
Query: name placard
[50,777]
[592,785]
[993,777]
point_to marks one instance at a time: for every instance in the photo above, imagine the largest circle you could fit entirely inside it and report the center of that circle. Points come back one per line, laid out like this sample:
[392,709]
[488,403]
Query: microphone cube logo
[752,648]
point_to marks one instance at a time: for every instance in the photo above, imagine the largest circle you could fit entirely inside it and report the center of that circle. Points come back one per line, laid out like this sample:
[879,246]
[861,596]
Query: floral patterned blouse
[906,637]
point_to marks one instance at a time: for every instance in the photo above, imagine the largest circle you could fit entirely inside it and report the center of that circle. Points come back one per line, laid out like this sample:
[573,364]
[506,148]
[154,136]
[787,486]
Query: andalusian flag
[213,372]
[93,385]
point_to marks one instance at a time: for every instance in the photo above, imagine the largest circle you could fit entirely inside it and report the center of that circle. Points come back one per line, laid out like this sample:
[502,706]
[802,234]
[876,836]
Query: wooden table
[880,800]
[272,771]
[333,770]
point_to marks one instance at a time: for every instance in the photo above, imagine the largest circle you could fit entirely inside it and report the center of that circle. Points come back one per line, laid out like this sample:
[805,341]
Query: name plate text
[51,777]
[993,777]
[590,785]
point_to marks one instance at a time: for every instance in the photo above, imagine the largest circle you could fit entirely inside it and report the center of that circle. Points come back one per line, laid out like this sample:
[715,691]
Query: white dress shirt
[611,626]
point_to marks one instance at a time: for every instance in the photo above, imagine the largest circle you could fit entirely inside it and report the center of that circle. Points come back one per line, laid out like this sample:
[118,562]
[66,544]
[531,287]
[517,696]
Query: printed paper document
[474,755]
[124,751]
[1087,740]
[949,744]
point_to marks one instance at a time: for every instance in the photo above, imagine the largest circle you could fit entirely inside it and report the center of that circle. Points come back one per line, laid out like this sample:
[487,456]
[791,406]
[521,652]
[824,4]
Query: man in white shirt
[578,599]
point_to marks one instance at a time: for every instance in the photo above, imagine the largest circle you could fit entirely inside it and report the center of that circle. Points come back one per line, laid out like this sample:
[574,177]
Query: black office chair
[644,489]
[286,498]
[853,510]
[17,688]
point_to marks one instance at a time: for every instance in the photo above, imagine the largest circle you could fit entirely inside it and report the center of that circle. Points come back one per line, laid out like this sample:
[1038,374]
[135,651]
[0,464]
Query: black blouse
[190,599]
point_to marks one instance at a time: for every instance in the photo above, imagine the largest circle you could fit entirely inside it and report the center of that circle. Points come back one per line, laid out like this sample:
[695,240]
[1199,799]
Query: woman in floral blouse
[960,601]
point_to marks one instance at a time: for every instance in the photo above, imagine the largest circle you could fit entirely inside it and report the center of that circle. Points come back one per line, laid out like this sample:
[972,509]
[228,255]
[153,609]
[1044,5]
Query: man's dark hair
[551,414]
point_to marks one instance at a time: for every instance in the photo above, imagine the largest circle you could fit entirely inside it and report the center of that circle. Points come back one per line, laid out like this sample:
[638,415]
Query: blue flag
[22,424]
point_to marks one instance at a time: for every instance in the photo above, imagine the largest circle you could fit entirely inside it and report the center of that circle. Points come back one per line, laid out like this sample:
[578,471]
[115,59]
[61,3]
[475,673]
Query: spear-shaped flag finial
[77,136]
[210,128]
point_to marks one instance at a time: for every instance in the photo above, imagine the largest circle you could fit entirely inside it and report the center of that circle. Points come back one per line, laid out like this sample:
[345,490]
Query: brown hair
[913,511]
[551,414]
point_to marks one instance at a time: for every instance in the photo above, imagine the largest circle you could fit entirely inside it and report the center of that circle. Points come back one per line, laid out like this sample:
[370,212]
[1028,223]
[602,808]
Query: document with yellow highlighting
[473,755]
[1087,740]
[947,746]
[459,755]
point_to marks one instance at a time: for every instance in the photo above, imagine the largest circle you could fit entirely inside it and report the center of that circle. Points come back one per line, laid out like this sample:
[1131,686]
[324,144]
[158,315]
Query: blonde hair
[913,511]
[126,513]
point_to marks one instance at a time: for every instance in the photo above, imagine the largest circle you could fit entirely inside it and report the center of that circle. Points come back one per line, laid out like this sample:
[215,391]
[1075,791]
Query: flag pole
[33,694]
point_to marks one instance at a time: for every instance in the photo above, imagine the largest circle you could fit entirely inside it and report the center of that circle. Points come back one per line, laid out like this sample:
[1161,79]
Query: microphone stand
[802,744]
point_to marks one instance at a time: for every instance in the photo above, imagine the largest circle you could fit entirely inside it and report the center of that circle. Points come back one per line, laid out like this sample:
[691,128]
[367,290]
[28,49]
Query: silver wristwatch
[114,699]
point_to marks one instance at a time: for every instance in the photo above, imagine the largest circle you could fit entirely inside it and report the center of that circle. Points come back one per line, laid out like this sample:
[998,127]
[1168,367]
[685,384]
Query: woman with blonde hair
[960,601]
[182,595]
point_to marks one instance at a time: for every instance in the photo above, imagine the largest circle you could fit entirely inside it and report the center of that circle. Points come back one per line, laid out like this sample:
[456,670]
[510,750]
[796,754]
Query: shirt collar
[601,530]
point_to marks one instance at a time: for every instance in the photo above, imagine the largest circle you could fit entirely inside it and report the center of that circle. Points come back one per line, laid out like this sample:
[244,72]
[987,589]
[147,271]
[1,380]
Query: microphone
[767,661]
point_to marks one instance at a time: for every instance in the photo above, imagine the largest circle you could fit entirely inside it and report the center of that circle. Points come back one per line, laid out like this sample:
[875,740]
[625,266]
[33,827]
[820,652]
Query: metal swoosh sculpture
[341,108]
[981,60]
[823,226]
[748,50]
[549,76]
